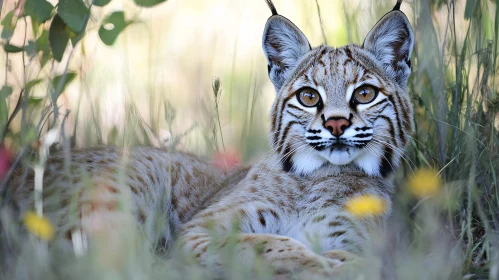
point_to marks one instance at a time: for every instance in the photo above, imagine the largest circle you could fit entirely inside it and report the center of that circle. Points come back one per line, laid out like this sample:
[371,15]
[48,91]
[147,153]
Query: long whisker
[423,145]
[399,151]
[281,157]
[465,132]
[278,159]
[269,158]
[370,149]
[270,151]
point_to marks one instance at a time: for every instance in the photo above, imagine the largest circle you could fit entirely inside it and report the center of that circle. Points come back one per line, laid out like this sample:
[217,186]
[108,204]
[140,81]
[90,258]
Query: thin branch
[321,23]
[12,116]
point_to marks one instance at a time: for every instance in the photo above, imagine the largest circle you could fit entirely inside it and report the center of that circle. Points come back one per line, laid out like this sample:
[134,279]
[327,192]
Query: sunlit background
[167,59]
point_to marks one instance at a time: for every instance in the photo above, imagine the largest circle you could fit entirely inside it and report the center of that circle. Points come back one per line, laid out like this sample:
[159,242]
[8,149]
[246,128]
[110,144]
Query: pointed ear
[391,41]
[283,45]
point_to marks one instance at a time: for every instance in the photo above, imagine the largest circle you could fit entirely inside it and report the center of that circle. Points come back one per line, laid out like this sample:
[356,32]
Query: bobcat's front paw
[321,268]
[340,255]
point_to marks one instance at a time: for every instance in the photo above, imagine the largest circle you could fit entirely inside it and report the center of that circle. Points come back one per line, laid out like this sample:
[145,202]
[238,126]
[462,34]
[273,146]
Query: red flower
[227,160]
[5,161]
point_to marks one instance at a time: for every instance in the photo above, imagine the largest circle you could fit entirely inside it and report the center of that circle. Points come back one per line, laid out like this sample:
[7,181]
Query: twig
[14,113]
[40,127]
[23,52]
[59,87]
[321,23]
[217,91]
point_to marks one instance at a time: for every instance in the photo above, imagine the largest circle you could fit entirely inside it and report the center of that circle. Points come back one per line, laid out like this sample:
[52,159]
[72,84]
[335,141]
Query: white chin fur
[369,163]
[306,161]
[341,157]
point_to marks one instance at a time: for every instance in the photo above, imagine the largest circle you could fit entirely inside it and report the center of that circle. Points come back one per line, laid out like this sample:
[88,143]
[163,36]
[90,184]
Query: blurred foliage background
[171,53]
[154,85]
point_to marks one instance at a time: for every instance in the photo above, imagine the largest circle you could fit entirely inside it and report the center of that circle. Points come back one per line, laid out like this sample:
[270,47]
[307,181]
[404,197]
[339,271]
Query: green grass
[454,235]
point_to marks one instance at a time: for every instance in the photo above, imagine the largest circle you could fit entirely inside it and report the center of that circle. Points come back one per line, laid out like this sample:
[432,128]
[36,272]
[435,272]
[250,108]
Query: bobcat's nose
[337,126]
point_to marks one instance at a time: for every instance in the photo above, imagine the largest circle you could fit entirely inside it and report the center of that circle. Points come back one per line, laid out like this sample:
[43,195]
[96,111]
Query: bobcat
[339,124]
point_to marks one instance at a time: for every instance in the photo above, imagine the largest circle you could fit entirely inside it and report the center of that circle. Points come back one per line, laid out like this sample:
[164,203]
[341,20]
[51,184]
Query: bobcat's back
[90,184]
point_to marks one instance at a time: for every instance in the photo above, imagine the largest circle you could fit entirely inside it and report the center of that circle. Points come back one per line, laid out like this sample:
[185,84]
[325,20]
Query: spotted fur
[294,197]
[378,132]
[95,190]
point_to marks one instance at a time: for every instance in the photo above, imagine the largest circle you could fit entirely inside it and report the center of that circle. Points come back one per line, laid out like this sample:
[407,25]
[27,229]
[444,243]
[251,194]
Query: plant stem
[219,125]
[324,39]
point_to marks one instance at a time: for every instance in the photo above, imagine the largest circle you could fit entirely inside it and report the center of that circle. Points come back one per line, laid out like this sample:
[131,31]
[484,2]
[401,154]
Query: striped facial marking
[345,106]
[339,111]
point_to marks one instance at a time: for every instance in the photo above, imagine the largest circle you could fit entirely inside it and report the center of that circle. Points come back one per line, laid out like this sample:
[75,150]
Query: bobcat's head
[343,106]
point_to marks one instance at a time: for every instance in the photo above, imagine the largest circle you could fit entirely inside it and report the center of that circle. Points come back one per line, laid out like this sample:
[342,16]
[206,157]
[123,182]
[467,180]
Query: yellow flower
[365,205]
[424,182]
[39,226]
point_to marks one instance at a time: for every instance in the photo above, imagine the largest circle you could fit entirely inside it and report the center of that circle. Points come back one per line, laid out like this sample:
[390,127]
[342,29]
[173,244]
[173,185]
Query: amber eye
[308,97]
[364,94]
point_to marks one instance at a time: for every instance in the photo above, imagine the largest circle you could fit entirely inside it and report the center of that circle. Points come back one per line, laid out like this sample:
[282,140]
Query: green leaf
[148,3]
[58,37]
[486,23]
[29,85]
[74,13]
[5,92]
[12,49]
[111,27]
[4,115]
[38,10]
[8,25]
[29,136]
[470,8]
[101,3]
[42,43]
[35,101]
[73,36]
[30,48]
[35,27]
[45,58]
[65,80]
[4,109]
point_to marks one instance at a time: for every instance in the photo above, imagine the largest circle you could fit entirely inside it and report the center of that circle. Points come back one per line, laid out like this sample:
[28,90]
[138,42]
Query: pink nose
[337,126]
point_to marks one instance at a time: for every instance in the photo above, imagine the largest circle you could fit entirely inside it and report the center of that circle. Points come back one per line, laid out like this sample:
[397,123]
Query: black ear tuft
[397,6]
[391,40]
[283,45]
[271,7]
